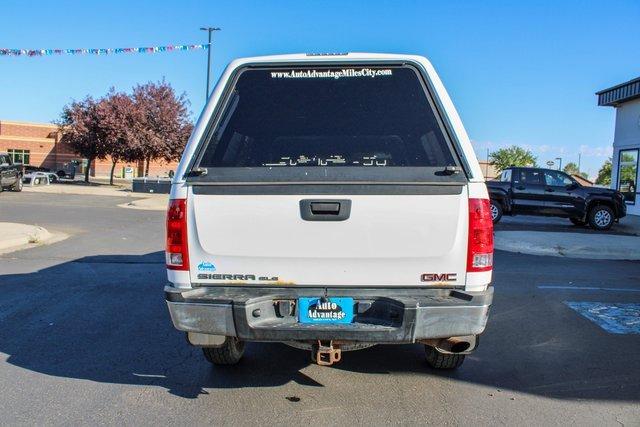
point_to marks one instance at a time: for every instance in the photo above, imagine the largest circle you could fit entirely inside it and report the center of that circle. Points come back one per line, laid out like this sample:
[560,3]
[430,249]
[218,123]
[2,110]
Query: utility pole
[487,166]
[579,156]
[209,30]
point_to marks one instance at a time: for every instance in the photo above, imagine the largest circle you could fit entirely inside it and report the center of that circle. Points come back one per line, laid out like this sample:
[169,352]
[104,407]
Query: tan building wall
[45,150]
[488,170]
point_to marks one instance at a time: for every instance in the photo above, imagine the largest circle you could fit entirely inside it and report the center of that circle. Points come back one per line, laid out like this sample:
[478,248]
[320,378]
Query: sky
[521,73]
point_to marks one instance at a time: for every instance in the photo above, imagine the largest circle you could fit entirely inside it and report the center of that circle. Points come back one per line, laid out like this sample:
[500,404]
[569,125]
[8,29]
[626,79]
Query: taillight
[480,250]
[177,251]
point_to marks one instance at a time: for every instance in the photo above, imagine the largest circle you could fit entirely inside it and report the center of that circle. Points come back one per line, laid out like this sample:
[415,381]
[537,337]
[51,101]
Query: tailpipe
[454,345]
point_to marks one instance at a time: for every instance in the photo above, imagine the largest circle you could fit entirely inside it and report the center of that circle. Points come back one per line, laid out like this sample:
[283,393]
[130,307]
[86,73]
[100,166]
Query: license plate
[325,310]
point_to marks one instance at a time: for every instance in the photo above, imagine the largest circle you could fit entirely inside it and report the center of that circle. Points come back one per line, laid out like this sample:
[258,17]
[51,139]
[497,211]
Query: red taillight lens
[480,250]
[177,252]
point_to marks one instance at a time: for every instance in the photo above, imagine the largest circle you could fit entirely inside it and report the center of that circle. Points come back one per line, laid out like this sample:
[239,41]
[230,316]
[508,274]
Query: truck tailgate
[386,241]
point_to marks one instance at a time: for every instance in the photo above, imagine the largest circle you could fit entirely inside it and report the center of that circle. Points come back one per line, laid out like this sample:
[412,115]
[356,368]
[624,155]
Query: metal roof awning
[618,94]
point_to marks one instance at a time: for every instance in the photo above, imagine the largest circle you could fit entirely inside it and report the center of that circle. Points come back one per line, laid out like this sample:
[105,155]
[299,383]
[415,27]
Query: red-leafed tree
[164,125]
[150,124]
[80,126]
[119,118]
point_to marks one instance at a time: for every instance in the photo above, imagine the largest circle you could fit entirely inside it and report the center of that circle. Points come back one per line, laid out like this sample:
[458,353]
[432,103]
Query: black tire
[496,211]
[438,360]
[18,185]
[230,353]
[601,217]
[577,221]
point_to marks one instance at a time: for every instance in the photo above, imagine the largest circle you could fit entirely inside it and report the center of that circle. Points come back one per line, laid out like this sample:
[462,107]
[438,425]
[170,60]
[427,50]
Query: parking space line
[588,288]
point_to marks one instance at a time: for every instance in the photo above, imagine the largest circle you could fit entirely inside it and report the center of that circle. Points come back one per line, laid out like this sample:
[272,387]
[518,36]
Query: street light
[209,30]
[560,164]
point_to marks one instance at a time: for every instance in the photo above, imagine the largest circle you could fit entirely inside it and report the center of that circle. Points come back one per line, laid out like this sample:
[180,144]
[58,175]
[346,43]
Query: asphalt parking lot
[86,339]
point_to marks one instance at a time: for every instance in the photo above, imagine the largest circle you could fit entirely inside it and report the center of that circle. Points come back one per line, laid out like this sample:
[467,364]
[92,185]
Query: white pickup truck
[331,202]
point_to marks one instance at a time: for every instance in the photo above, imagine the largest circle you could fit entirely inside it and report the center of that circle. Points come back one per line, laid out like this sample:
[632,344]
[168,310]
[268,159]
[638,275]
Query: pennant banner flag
[109,51]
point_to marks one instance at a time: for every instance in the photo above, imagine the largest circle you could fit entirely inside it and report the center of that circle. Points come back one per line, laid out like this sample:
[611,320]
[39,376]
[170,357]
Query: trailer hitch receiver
[324,353]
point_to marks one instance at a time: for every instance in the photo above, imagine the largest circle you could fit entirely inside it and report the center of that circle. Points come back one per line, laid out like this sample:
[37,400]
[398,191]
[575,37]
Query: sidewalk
[97,190]
[570,245]
[629,224]
[14,236]
[146,201]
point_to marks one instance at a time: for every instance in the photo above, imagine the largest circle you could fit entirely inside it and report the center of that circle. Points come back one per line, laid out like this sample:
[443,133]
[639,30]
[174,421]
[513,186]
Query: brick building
[38,144]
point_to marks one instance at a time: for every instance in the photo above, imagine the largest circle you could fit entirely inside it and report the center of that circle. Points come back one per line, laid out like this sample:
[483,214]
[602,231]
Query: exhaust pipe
[454,345]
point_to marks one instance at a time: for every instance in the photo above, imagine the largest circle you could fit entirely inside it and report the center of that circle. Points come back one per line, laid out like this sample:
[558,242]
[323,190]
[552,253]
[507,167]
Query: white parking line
[588,288]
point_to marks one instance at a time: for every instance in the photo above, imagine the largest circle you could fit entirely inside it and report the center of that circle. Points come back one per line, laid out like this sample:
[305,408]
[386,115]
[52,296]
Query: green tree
[512,156]
[604,174]
[572,169]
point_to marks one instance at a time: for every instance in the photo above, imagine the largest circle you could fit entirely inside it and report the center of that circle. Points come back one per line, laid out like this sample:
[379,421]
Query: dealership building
[625,98]
[38,144]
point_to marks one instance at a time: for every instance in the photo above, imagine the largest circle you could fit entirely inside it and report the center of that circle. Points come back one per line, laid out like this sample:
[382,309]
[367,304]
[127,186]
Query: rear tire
[577,221]
[18,185]
[496,211]
[230,353]
[601,217]
[438,360]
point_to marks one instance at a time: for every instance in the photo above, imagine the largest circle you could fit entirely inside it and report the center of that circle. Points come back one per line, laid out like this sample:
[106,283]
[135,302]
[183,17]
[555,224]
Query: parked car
[37,178]
[330,202]
[53,176]
[10,173]
[548,192]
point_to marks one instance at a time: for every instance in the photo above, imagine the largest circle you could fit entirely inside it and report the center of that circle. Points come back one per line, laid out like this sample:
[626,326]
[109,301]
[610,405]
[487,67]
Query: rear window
[528,176]
[353,119]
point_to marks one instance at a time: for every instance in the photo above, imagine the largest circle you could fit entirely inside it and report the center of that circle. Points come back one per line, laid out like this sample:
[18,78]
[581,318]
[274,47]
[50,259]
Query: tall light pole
[579,158]
[209,30]
[560,165]
[487,166]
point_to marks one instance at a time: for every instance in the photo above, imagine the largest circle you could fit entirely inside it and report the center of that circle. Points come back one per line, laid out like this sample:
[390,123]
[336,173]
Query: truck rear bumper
[381,315]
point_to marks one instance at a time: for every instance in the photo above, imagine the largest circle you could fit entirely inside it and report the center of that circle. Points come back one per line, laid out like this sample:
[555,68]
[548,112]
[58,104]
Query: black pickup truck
[10,173]
[547,192]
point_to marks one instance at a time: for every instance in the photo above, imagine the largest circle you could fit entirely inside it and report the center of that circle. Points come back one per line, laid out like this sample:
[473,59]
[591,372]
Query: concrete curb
[15,236]
[569,245]
[155,203]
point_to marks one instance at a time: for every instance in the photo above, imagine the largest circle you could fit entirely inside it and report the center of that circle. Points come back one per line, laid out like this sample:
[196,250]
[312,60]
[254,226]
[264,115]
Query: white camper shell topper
[330,202]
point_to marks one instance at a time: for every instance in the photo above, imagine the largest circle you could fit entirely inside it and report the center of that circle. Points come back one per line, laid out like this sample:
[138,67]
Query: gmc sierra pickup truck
[548,192]
[10,173]
[330,202]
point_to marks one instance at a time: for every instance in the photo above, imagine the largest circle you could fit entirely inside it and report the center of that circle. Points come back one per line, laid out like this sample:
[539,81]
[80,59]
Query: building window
[628,174]
[19,156]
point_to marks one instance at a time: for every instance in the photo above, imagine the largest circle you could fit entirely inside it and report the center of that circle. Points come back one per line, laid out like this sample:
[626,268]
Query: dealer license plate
[325,310]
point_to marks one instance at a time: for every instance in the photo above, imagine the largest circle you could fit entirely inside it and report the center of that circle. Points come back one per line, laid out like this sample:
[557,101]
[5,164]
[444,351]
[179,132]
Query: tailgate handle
[321,208]
[325,210]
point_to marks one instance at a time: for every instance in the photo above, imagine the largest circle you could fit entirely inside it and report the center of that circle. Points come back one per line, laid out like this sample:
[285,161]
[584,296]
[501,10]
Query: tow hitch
[325,354]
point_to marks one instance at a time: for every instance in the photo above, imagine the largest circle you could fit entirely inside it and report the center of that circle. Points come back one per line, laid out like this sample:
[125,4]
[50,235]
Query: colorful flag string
[108,51]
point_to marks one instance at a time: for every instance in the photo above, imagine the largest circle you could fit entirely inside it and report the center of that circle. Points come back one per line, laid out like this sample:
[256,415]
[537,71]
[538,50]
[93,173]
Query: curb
[29,236]
[148,203]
